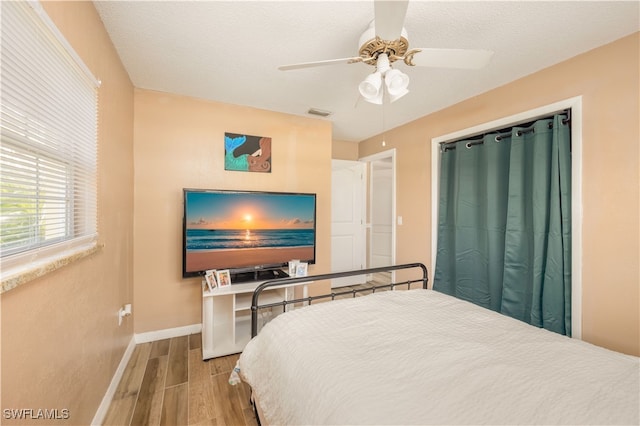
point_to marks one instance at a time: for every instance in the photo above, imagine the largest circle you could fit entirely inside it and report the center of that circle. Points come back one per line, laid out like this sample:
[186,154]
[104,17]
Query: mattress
[422,357]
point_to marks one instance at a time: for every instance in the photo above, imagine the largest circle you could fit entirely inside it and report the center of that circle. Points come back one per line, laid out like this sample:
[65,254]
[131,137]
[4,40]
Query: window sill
[18,276]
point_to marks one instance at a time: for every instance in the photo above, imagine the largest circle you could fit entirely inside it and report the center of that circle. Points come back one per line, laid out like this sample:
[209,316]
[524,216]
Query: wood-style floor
[167,383]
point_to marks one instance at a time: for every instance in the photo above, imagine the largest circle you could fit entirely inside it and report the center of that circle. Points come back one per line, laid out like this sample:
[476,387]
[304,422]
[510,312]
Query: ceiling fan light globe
[367,90]
[396,82]
[398,95]
[376,99]
[371,86]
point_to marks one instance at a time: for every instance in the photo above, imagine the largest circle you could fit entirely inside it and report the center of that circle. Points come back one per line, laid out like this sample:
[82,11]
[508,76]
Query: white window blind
[48,151]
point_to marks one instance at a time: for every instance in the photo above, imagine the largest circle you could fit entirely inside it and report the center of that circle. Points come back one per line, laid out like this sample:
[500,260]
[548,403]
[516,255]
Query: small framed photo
[223,278]
[210,278]
[301,269]
[293,266]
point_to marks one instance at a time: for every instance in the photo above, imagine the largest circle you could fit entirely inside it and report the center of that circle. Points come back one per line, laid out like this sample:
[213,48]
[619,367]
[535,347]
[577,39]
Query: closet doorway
[575,106]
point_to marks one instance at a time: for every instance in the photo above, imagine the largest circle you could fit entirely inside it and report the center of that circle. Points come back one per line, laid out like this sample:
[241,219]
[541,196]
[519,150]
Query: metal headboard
[308,279]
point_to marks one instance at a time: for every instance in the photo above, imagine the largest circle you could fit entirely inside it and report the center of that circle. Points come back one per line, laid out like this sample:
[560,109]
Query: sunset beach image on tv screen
[226,230]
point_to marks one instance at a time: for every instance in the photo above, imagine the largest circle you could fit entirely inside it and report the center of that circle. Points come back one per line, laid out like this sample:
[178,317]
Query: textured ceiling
[229,51]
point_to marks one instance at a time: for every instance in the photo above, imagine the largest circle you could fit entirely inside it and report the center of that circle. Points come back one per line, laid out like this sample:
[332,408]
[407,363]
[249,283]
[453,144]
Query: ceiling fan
[384,42]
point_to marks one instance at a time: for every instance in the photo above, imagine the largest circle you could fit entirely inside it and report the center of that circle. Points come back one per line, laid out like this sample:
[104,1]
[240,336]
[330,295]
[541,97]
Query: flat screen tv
[246,231]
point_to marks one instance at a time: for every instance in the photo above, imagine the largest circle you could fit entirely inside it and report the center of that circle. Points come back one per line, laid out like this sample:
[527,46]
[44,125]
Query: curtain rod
[479,139]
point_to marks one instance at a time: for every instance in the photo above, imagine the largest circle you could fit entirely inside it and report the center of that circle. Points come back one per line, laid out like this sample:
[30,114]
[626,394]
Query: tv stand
[226,314]
[257,275]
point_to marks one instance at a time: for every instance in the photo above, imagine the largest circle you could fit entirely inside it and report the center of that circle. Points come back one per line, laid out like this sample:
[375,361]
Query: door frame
[575,104]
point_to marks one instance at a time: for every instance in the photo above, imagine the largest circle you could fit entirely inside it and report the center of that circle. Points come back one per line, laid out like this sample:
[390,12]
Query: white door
[381,213]
[347,219]
[382,209]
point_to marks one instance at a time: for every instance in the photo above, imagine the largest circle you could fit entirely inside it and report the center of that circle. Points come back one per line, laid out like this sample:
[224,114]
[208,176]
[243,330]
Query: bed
[421,357]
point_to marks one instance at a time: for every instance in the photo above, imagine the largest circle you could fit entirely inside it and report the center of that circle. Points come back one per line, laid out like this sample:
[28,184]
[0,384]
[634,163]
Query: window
[48,144]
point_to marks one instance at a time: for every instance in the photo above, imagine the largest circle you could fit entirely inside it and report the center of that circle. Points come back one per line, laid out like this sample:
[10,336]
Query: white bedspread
[421,357]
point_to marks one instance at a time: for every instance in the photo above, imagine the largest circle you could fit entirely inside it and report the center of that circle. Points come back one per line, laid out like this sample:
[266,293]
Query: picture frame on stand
[210,278]
[293,265]
[301,269]
[223,278]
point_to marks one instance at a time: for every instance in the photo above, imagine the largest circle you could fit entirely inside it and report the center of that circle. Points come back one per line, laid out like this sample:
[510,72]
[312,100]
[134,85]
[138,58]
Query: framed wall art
[247,153]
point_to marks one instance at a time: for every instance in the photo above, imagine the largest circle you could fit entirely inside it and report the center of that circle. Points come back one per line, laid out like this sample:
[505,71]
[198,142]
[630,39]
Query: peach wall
[607,78]
[179,143]
[61,343]
[341,150]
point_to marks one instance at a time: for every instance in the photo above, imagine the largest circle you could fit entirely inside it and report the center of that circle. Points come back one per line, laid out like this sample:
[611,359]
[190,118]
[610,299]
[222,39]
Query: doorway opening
[363,211]
[381,210]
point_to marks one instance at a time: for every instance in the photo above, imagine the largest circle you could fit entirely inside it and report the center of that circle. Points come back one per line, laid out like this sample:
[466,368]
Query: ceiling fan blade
[320,63]
[452,58]
[389,18]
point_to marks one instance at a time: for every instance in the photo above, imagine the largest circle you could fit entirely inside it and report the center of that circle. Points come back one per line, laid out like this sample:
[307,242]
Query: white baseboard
[111,390]
[152,336]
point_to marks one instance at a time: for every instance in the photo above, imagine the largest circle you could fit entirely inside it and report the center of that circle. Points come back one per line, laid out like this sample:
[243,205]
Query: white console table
[226,315]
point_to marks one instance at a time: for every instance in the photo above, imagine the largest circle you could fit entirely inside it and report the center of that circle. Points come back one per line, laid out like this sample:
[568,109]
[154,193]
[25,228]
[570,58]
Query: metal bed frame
[290,281]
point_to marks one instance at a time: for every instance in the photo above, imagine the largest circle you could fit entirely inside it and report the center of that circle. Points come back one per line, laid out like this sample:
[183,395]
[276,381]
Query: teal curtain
[504,223]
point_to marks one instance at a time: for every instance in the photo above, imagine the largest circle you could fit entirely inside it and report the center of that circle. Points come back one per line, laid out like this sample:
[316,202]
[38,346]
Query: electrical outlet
[125,311]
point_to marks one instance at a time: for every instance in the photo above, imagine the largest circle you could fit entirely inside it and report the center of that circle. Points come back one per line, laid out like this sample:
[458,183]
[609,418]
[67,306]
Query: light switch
[399,220]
